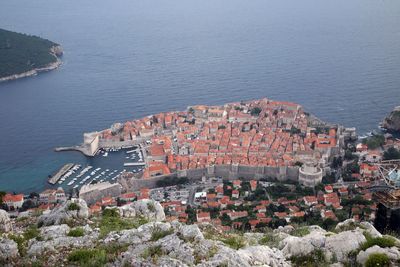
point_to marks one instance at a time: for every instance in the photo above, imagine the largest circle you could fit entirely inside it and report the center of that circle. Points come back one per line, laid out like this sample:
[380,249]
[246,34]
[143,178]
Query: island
[23,55]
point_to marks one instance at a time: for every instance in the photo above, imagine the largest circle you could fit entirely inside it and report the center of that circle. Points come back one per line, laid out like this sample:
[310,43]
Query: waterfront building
[51,196]
[13,202]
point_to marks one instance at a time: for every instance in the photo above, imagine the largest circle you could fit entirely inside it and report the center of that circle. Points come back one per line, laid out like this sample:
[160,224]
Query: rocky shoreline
[56,51]
[392,122]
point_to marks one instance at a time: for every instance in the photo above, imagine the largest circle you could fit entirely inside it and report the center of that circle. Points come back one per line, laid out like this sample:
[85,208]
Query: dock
[54,179]
[130,164]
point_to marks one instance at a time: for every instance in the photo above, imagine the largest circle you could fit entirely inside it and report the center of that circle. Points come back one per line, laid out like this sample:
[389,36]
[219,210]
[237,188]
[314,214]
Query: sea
[126,59]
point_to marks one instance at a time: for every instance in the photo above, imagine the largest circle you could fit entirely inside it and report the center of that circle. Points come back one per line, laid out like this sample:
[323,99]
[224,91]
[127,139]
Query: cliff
[23,55]
[392,122]
[137,235]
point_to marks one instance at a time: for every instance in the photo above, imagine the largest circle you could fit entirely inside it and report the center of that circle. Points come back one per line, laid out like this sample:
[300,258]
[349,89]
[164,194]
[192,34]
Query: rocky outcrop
[70,210]
[160,243]
[5,222]
[393,254]
[8,250]
[340,245]
[392,121]
[55,239]
[147,208]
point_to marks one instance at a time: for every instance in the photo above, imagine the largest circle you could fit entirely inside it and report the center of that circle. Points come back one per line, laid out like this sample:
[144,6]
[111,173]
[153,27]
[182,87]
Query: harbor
[105,166]
[57,176]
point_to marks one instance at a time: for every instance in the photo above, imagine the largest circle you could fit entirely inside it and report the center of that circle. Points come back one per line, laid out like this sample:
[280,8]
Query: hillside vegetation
[20,53]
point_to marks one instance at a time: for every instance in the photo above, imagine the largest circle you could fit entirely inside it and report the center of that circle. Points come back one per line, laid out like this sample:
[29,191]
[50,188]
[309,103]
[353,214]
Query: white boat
[105,154]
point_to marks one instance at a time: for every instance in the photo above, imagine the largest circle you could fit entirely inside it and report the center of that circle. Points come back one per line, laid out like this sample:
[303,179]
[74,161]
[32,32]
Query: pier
[130,164]
[54,179]
[83,149]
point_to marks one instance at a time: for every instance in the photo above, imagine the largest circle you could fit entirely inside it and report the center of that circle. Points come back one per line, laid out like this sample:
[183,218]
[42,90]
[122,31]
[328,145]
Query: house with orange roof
[128,197]
[328,189]
[13,202]
[233,215]
[310,200]
[203,217]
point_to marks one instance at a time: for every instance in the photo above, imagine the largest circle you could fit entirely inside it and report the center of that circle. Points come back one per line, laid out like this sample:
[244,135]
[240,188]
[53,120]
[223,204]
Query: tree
[391,153]
[255,111]
[374,141]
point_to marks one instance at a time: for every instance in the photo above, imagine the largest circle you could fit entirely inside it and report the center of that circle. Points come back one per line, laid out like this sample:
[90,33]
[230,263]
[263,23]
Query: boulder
[393,253]
[296,246]
[8,249]
[264,256]
[147,208]
[65,213]
[369,228]
[190,232]
[339,245]
[54,231]
[5,222]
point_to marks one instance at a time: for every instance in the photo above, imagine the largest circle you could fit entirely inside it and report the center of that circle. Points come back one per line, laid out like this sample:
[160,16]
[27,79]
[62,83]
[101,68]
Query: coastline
[56,51]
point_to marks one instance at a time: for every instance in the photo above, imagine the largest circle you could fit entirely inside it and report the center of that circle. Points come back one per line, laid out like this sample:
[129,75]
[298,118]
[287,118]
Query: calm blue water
[125,59]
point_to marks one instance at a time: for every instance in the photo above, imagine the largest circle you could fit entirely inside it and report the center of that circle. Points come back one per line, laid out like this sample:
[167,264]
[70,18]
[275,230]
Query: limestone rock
[148,208]
[393,253]
[263,255]
[5,222]
[296,246]
[341,244]
[8,249]
[54,231]
[191,232]
[64,213]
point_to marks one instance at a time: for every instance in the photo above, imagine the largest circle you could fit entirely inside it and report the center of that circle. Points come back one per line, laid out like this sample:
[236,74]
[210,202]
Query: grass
[88,257]
[22,240]
[152,252]
[314,259]
[77,232]
[300,232]
[350,226]
[73,206]
[270,239]
[158,233]
[383,242]
[235,242]
[377,259]
[111,221]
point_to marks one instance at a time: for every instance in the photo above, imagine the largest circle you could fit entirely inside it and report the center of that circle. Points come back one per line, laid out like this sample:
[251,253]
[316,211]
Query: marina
[107,165]
[54,179]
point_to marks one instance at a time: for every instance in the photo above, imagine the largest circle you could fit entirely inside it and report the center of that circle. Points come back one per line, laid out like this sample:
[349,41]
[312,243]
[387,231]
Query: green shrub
[152,251]
[88,257]
[383,242]
[158,233]
[111,221]
[269,239]
[314,259]
[73,206]
[235,242]
[377,260]
[76,232]
[300,232]
[31,232]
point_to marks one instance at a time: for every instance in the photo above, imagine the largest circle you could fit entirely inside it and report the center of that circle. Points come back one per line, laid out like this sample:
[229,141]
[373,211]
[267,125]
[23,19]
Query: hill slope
[137,235]
[22,55]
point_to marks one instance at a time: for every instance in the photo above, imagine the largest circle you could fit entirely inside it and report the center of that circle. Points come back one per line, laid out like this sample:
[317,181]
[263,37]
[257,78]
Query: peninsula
[256,138]
[23,55]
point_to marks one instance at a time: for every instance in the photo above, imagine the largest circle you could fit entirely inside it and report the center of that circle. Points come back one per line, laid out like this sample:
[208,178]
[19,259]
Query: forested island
[23,55]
